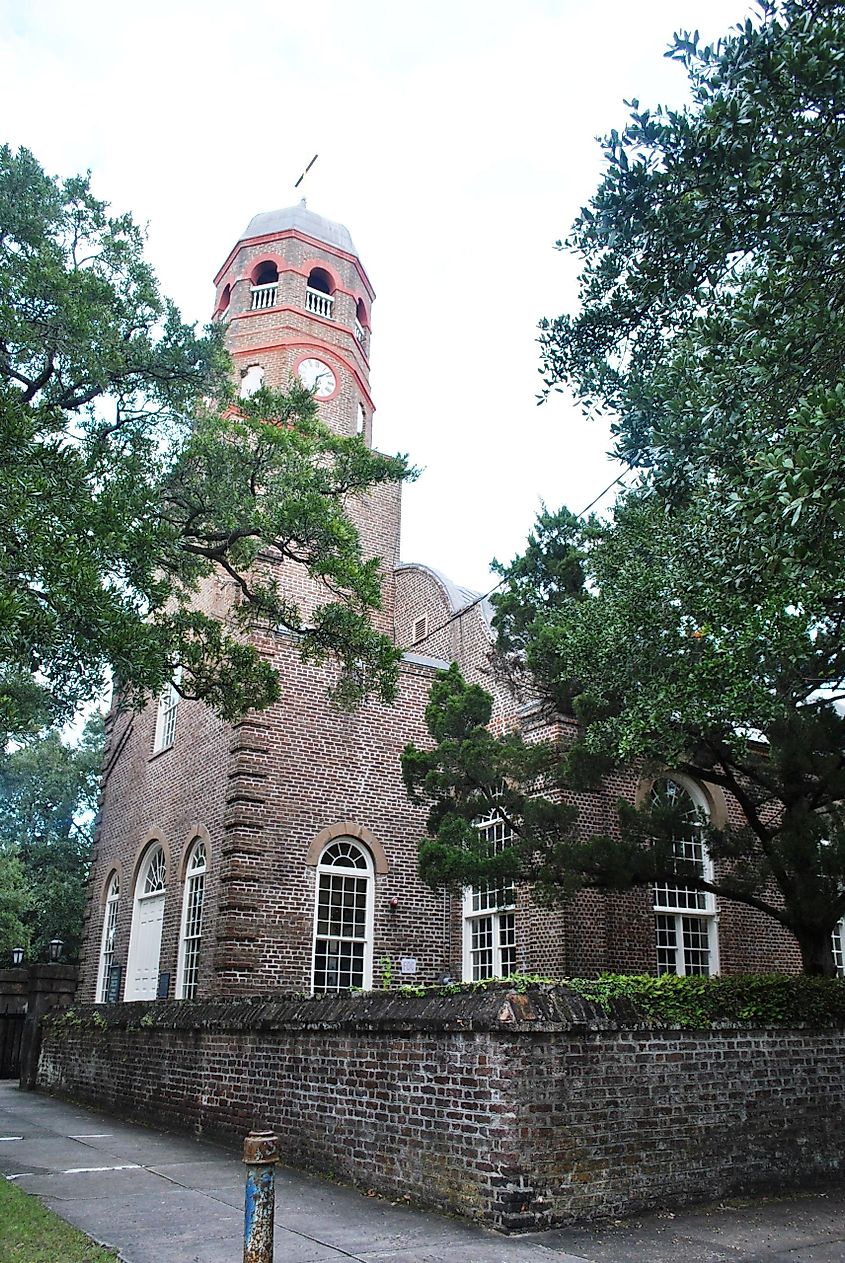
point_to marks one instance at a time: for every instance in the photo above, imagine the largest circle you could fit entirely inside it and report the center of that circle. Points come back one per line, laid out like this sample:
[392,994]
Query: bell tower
[297,301]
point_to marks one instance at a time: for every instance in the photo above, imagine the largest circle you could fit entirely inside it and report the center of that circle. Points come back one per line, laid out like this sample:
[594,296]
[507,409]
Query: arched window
[142,966]
[319,293]
[191,932]
[107,940]
[361,323]
[265,285]
[343,920]
[252,379]
[361,420]
[489,917]
[686,918]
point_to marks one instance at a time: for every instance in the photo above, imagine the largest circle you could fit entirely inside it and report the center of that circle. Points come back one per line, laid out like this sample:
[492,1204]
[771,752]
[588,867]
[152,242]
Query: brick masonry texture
[519,1110]
[261,791]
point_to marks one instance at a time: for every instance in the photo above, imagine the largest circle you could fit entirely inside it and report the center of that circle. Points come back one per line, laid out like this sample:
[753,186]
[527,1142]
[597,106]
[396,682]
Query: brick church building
[280,853]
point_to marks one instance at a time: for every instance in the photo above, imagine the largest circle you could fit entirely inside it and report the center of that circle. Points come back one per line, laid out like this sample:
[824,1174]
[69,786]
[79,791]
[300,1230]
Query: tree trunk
[816,950]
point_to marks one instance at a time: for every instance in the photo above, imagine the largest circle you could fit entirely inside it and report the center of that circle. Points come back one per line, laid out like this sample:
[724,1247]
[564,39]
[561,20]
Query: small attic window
[420,630]
[319,279]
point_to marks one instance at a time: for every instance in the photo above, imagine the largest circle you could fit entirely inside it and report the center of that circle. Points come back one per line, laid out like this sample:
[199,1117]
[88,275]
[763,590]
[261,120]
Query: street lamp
[17,956]
[56,948]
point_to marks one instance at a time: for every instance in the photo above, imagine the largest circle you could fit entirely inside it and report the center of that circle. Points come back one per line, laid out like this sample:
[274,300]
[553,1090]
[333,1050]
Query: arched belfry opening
[223,302]
[265,285]
[319,293]
[362,323]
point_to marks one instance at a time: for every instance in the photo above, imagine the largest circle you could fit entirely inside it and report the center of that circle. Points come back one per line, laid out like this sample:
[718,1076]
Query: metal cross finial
[305,172]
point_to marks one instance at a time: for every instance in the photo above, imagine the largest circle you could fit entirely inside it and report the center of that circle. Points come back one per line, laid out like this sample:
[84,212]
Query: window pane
[481,948]
[839,948]
[696,933]
[507,944]
[667,946]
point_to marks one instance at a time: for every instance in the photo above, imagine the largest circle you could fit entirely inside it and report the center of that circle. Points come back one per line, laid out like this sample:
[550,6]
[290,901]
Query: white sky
[456,142]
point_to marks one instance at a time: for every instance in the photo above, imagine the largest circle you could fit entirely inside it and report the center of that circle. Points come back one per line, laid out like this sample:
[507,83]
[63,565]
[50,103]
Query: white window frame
[166,715]
[107,938]
[490,911]
[681,910]
[325,871]
[142,894]
[839,947]
[190,929]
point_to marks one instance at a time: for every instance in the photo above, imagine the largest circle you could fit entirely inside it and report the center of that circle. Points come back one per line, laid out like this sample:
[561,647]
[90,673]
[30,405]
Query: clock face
[317,376]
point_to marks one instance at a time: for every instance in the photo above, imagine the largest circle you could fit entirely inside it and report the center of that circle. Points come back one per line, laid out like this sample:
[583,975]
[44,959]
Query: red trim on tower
[300,236]
[328,324]
[309,348]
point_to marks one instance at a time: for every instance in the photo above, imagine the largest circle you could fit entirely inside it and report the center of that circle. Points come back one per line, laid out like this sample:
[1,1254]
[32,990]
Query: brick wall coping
[540,1008]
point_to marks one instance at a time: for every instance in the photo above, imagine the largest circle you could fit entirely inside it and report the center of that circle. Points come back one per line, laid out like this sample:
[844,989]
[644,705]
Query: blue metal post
[260,1157]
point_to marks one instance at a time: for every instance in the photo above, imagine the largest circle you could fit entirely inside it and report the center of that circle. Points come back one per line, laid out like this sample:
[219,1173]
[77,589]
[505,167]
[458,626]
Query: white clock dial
[317,376]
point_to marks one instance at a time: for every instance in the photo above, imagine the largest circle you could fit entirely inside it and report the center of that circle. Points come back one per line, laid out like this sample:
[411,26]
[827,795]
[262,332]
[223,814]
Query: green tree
[701,628]
[124,491]
[15,905]
[48,796]
[711,322]
[660,667]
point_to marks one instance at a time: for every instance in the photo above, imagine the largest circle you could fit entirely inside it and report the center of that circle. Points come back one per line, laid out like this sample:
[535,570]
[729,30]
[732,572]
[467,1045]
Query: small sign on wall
[408,964]
[163,986]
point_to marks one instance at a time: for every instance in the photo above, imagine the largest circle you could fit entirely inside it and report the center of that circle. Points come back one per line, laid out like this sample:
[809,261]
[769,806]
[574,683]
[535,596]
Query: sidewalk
[159,1198]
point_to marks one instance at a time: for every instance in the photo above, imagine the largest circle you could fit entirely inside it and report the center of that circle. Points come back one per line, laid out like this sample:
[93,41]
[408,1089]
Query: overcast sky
[456,142]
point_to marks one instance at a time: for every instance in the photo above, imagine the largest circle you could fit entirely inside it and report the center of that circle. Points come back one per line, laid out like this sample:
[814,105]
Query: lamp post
[56,947]
[17,957]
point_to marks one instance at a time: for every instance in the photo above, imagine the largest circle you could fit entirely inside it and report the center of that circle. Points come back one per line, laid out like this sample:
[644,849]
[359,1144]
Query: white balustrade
[318,303]
[264,296]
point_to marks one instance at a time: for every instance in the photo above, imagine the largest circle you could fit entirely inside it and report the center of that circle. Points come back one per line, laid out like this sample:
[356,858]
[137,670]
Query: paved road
[160,1198]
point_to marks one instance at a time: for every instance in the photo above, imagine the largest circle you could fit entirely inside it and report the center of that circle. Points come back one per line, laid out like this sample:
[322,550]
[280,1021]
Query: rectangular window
[192,937]
[839,947]
[489,919]
[107,951]
[685,918]
[341,931]
[168,706]
[685,944]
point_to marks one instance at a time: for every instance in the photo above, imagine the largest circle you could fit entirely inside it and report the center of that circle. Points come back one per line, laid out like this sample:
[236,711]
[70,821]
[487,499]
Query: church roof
[303,220]
[459,597]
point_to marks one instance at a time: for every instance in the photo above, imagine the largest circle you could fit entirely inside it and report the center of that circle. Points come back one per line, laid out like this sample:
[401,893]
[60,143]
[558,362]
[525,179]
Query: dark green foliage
[762,999]
[48,797]
[123,491]
[700,629]
[712,317]
[694,1002]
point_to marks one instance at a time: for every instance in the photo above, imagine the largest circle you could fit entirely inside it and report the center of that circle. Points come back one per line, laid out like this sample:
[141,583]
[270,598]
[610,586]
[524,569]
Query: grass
[31,1234]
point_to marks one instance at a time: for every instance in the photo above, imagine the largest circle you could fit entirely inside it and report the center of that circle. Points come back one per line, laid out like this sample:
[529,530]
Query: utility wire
[465,609]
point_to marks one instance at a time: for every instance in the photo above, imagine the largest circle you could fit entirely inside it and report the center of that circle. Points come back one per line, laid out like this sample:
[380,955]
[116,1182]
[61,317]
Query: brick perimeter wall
[519,1111]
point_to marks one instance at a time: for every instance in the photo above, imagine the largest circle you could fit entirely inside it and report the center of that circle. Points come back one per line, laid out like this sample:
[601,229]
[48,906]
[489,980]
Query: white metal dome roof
[304,221]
